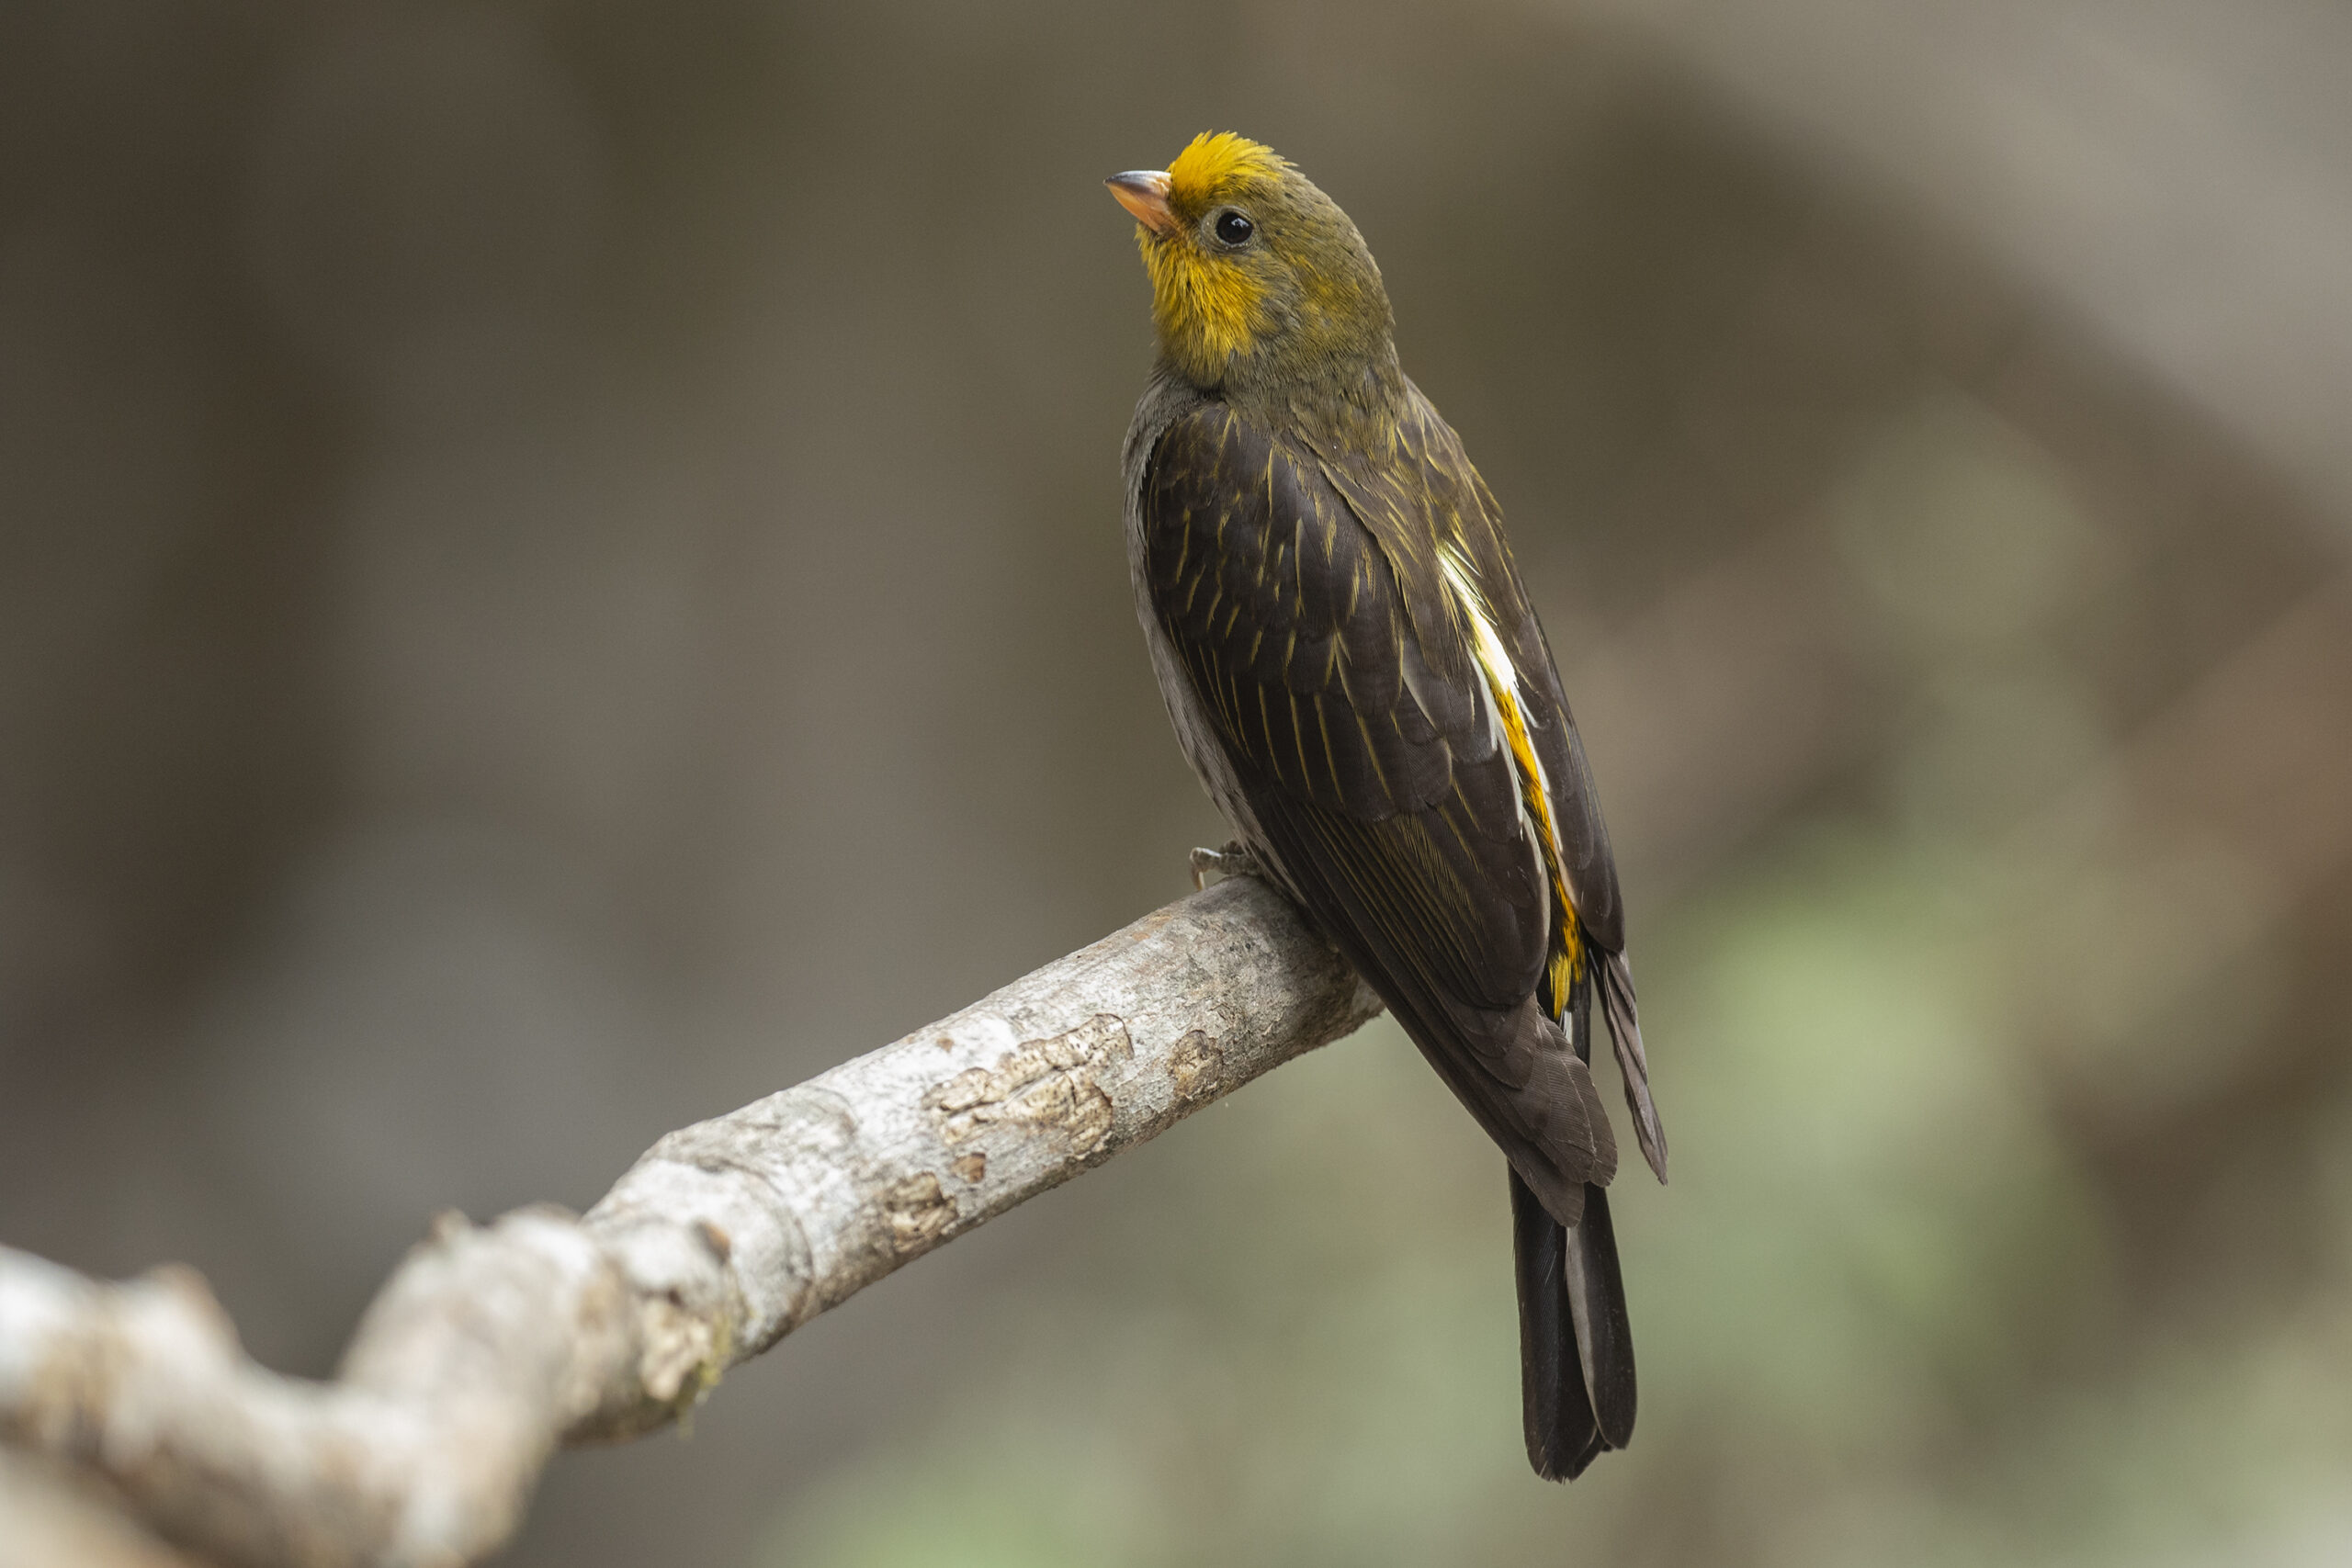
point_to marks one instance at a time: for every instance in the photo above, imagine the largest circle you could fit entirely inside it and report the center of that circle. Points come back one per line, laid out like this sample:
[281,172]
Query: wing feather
[1400,825]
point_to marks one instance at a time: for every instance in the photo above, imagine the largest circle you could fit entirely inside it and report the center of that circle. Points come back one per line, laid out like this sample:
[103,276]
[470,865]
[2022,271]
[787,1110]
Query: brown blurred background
[559,569]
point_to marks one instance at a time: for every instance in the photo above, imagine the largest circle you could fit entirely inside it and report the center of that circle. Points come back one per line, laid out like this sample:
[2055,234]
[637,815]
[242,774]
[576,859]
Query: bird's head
[1260,285]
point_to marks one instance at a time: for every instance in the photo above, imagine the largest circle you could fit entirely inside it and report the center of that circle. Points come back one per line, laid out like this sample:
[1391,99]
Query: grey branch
[492,1345]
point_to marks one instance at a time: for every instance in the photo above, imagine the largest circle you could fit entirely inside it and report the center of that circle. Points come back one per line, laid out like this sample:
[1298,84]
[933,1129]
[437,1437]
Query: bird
[1358,678]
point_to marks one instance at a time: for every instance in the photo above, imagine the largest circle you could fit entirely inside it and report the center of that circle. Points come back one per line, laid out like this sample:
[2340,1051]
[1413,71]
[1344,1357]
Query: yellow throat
[1207,309]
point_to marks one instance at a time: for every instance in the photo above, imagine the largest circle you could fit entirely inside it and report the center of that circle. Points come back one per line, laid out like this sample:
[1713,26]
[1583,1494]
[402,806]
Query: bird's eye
[1233,229]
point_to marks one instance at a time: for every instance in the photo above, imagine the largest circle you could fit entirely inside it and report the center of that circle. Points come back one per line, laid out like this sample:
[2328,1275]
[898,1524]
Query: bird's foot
[1234,860]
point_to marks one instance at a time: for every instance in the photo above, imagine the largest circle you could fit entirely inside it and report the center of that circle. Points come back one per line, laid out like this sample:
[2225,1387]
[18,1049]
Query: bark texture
[492,1345]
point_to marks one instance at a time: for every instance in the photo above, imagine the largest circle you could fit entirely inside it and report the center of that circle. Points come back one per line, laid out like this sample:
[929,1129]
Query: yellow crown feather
[1218,164]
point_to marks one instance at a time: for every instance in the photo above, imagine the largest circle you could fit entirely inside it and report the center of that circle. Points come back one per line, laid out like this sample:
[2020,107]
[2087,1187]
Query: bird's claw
[1234,860]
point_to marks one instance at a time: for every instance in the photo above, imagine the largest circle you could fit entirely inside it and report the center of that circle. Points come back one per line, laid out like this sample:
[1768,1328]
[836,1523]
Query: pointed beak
[1144,192]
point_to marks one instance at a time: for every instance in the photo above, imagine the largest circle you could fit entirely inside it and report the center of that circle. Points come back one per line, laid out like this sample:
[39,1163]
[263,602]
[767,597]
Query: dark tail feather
[1576,1343]
[1562,1435]
[1596,1309]
[1595,1285]
[1632,1062]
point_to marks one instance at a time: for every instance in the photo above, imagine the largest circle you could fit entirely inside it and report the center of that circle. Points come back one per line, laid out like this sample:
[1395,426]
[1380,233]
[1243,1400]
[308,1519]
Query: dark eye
[1232,229]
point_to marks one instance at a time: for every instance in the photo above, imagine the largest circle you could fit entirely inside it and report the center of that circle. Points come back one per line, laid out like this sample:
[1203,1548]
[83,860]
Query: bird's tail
[1576,1343]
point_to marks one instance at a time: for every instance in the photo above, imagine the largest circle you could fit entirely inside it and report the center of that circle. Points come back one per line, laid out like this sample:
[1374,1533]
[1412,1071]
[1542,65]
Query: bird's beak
[1144,192]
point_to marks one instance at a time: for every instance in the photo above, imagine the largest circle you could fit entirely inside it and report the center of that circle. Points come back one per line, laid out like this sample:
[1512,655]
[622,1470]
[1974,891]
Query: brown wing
[1360,732]
[1423,495]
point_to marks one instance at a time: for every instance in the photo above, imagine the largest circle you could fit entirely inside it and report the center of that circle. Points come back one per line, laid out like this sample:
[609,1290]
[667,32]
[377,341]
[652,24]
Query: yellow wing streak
[1567,962]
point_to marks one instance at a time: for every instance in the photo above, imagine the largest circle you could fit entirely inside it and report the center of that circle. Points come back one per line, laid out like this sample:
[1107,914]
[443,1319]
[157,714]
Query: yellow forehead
[1220,164]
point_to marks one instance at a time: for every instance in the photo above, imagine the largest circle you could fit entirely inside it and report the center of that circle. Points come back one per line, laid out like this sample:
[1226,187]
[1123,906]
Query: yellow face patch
[1207,306]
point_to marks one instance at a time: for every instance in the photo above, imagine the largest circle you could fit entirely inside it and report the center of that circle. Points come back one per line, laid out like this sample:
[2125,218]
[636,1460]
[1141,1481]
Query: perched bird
[1356,675]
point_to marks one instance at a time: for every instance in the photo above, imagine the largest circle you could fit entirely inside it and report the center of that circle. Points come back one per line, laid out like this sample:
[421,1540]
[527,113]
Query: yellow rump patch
[1220,164]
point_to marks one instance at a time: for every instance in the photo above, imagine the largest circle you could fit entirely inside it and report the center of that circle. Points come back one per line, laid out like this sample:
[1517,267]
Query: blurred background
[559,570]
